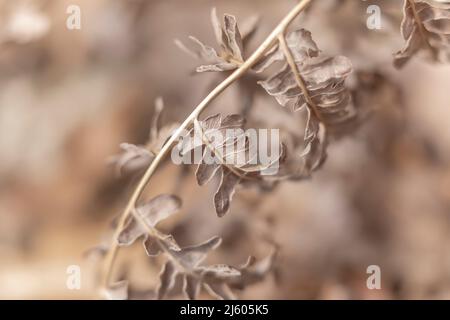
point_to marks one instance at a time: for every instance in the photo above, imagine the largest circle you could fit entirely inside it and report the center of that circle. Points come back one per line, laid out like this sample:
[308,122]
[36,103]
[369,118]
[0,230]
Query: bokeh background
[68,98]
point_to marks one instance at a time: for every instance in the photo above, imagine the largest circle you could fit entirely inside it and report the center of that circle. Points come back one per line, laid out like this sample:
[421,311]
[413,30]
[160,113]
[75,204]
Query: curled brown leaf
[425,27]
[230,40]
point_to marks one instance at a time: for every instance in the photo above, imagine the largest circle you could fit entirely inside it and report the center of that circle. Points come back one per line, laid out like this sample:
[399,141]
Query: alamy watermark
[249,150]
[374,280]
[73,281]
[73,21]
[373,22]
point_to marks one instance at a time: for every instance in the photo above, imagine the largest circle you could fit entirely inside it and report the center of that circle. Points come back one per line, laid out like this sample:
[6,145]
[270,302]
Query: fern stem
[268,43]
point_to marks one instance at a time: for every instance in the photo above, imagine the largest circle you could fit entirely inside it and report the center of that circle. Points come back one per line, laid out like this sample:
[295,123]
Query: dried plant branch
[307,80]
[187,262]
[268,43]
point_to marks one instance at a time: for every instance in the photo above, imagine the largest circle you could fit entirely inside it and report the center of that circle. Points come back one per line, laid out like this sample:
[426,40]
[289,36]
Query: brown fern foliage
[425,27]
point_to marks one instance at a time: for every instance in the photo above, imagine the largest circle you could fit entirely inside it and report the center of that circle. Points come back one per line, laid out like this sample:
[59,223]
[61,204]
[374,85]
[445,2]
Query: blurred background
[68,98]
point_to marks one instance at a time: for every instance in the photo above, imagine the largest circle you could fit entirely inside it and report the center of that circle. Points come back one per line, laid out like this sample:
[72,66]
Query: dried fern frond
[186,262]
[230,40]
[314,83]
[216,135]
[425,27]
[217,279]
[132,159]
[151,213]
[324,79]
[136,158]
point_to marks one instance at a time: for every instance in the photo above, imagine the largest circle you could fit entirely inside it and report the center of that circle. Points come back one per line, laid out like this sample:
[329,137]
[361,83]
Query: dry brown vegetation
[363,176]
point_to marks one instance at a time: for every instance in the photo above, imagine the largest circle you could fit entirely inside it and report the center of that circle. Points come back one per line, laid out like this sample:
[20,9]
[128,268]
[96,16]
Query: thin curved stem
[268,43]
